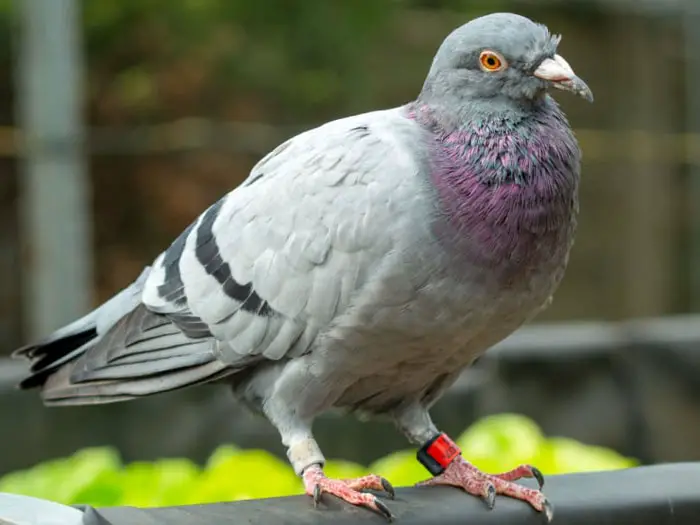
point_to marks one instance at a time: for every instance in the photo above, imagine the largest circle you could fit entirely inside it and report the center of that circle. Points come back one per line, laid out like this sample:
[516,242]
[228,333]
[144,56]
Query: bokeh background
[120,121]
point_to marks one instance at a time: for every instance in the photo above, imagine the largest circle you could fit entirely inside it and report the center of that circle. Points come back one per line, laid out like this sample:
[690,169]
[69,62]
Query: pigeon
[361,266]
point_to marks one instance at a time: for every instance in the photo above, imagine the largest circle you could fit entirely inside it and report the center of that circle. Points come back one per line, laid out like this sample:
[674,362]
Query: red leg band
[437,453]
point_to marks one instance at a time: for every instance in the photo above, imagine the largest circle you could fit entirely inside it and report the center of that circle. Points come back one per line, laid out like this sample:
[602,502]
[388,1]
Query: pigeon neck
[448,112]
[506,187]
[503,147]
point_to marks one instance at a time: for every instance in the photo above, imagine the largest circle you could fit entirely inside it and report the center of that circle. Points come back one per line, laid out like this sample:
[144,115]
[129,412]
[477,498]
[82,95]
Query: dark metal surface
[657,495]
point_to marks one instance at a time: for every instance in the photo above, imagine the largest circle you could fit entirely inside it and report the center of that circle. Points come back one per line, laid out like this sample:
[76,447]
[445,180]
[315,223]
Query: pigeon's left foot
[460,473]
[316,483]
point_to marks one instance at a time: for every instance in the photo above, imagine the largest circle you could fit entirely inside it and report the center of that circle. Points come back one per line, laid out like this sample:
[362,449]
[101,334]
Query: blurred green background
[98,477]
[120,121]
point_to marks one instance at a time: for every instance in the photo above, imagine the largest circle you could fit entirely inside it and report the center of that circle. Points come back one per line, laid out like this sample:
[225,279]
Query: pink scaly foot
[460,473]
[316,483]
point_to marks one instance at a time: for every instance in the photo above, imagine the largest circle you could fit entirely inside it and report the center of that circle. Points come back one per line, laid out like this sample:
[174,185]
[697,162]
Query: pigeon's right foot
[316,483]
[461,473]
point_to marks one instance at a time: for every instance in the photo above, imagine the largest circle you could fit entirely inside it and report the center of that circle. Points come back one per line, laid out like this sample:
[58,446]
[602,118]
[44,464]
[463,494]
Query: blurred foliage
[156,57]
[97,476]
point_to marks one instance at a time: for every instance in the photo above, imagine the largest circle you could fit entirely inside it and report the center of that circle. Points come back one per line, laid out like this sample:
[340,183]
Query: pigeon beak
[558,71]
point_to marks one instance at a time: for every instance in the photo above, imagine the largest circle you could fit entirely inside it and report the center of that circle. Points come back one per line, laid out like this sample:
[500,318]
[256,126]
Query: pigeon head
[504,58]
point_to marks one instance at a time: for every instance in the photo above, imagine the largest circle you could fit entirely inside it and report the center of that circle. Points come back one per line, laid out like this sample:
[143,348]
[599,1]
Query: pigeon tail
[119,351]
[73,340]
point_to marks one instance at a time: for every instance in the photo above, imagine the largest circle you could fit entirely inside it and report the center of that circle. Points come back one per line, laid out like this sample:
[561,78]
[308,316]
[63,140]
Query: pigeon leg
[444,460]
[349,490]
[307,460]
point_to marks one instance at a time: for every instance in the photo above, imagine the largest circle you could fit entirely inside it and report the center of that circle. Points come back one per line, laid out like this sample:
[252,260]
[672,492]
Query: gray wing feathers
[275,261]
[143,353]
[100,319]
[141,344]
[58,389]
[259,275]
[127,351]
[301,233]
[67,343]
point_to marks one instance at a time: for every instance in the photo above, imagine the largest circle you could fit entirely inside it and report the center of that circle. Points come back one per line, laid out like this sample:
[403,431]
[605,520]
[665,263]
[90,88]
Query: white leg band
[304,454]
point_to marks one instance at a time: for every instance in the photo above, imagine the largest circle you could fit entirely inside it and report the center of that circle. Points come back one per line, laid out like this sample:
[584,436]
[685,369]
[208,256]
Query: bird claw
[548,509]
[490,496]
[383,509]
[317,495]
[388,488]
[537,474]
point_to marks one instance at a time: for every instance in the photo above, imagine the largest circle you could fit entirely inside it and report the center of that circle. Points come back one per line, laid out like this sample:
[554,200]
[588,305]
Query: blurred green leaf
[567,455]
[96,476]
[89,473]
[164,482]
[500,442]
[401,468]
[344,469]
[243,474]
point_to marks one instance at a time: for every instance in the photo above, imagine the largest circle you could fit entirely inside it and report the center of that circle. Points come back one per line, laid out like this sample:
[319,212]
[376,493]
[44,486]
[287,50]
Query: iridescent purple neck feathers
[506,186]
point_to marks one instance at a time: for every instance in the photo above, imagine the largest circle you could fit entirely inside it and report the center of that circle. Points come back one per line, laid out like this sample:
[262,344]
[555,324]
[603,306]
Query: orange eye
[491,61]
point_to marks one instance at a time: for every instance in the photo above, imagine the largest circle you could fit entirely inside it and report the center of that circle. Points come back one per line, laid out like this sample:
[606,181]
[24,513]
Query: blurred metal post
[691,30]
[56,219]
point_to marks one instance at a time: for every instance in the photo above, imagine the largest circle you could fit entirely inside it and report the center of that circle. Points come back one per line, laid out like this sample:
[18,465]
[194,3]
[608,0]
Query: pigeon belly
[414,351]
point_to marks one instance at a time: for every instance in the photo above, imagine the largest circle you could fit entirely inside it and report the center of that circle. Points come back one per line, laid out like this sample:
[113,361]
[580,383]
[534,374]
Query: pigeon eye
[491,61]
